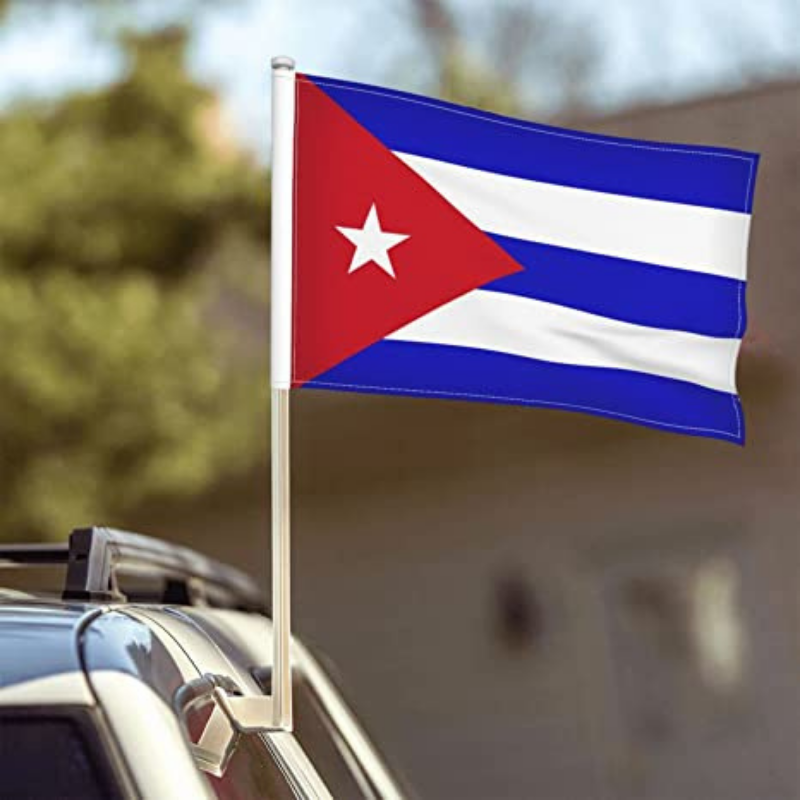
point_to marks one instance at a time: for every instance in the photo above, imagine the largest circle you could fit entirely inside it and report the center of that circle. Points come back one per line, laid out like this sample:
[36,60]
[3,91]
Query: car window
[248,771]
[326,747]
[251,774]
[75,767]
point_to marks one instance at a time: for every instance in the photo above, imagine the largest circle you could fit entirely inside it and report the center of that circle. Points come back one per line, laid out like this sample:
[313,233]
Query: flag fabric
[441,251]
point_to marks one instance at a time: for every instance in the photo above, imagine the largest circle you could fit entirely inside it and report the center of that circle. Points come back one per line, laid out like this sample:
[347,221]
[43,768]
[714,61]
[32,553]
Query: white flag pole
[283,123]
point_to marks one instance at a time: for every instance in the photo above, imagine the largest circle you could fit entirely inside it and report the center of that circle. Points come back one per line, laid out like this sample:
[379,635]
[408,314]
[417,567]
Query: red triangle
[341,170]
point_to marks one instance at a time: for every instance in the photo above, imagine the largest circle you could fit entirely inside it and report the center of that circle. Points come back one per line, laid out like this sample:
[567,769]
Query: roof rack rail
[33,555]
[96,556]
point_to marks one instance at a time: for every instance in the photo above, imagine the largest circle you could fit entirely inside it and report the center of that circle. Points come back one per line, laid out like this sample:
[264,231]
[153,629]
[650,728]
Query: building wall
[533,604]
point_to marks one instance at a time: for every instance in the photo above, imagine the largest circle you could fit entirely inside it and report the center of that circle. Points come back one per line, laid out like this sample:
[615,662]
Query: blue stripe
[659,297]
[705,176]
[431,370]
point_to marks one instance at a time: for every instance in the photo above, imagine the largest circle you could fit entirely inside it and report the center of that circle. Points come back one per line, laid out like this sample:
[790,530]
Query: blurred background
[521,604]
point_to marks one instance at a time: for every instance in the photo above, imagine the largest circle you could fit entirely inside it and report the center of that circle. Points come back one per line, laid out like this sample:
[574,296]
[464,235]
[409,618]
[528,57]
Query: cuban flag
[440,251]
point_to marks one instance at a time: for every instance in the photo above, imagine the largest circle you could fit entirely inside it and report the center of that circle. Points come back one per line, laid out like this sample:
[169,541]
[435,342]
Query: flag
[442,251]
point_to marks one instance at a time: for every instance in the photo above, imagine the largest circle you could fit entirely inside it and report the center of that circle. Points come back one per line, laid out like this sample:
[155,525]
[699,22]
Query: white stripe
[677,235]
[520,326]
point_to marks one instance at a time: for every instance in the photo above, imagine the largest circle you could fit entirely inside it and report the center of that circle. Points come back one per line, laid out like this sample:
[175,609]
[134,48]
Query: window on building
[679,644]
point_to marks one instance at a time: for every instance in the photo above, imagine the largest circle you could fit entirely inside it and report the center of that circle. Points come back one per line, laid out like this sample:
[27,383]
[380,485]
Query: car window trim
[369,760]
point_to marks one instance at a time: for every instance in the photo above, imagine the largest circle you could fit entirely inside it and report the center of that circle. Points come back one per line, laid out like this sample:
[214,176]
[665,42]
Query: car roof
[40,634]
[39,638]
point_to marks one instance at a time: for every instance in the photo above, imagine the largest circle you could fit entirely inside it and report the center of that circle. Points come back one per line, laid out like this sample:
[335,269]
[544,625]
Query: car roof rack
[96,556]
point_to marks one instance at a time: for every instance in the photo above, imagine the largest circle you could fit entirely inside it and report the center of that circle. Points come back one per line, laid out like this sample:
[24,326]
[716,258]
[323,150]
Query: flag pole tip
[283,62]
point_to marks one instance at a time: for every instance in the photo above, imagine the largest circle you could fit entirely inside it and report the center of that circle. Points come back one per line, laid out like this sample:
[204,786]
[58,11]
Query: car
[128,681]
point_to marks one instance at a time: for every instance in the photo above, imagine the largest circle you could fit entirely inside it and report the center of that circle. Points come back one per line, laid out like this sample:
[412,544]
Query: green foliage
[117,383]
[463,80]
[123,179]
[113,391]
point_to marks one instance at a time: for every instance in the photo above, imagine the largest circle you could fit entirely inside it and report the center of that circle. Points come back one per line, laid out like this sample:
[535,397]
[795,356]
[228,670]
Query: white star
[372,244]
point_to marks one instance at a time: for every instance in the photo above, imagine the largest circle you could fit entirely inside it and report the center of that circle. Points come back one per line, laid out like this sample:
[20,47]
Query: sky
[660,49]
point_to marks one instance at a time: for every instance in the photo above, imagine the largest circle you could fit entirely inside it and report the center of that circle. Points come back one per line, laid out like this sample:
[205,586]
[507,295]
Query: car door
[324,725]
[233,765]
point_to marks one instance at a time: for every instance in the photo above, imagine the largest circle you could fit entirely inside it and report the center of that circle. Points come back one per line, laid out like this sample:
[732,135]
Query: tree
[513,55]
[115,385]
[123,179]
[496,54]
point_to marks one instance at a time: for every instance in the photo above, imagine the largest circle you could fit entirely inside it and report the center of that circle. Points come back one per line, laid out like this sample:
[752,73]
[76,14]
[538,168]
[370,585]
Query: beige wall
[408,513]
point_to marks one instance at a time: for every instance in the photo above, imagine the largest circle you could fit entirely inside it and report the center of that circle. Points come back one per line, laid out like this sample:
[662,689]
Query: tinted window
[42,758]
[326,749]
[249,772]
